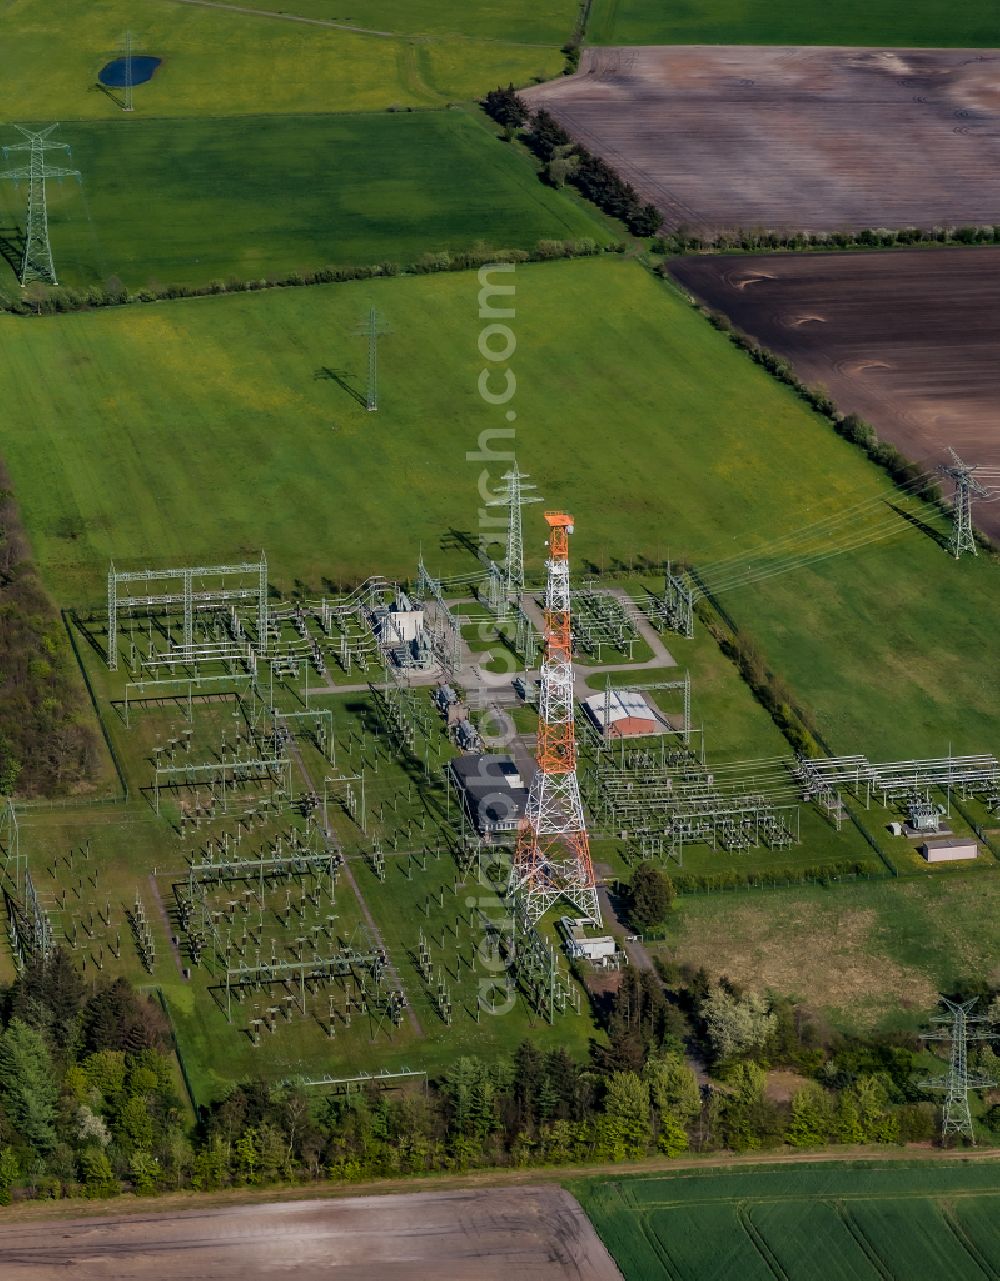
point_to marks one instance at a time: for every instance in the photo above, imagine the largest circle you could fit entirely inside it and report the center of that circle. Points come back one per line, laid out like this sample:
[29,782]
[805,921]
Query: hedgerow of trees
[566,161]
[685,240]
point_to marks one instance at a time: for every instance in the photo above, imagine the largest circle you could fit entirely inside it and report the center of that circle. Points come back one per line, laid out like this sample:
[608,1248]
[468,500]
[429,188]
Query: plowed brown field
[908,339]
[488,1234]
[793,138]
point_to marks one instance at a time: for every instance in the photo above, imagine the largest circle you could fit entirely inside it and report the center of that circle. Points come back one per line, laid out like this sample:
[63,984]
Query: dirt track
[531,1234]
[908,339]
[793,138]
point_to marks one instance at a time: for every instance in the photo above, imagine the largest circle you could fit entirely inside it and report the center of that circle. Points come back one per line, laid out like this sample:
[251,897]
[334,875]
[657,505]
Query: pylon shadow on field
[935,534]
[117,98]
[12,248]
[461,539]
[340,377]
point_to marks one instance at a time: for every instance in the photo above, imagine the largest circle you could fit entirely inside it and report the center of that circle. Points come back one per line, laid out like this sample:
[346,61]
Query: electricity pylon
[552,856]
[966,487]
[373,329]
[37,263]
[514,499]
[127,45]
[958,1081]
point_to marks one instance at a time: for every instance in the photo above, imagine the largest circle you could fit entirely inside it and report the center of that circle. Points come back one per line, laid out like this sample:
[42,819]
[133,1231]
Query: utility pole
[37,263]
[127,43]
[373,329]
[966,487]
[552,856]
[514,499]
[957,1081]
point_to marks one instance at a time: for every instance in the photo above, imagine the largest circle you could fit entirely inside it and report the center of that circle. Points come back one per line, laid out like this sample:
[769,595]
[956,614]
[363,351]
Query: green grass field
[886,23]
[224,63]
[274,194]
[859,955]
[521,22]
[185,432]
[836,1222]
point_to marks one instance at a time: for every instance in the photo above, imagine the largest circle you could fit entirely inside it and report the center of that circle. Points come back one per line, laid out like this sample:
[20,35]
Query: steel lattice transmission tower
[959,1026]
[127,46]
[37,263]
[373,329]
[552,856]
[514,499]
[966,487]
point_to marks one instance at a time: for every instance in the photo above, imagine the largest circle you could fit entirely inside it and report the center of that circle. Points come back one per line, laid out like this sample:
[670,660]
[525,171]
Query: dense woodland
[45,746]
[89,1102]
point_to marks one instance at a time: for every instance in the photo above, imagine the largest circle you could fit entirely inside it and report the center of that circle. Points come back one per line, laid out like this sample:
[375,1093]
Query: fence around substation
[835,879]
[165,1006]
[70,623]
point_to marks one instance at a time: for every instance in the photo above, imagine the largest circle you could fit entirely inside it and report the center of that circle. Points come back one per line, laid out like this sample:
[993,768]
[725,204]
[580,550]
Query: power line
[734,580]
[958,1080]
[818,528]
[514,499]
[966,488]
[127,44]
[37,263]
[373,329]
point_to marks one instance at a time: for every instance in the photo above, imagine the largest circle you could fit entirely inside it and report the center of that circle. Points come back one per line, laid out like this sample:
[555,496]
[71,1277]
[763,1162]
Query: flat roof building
[599,951]
[494,793]
[628,714]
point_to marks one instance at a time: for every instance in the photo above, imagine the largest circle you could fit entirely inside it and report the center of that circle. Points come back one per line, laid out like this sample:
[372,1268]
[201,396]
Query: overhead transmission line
[841,516]
[831,536]
[805,561]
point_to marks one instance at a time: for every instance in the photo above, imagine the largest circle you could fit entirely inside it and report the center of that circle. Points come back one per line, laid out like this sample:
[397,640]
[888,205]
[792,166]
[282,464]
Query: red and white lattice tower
[552,857]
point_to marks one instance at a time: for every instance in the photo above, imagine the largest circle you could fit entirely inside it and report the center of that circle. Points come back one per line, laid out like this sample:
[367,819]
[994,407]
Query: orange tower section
[552,857]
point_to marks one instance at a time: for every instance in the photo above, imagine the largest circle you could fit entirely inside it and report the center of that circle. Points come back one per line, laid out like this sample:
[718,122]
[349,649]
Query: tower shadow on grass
[455,539]
[117,98]
[340,377]
[934,534]
[12,248]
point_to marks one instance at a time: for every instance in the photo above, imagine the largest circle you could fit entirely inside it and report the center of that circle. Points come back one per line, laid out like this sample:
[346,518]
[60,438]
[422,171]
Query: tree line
[48,300]
[684,1062]
[566,161]
[46,748]
[685,240]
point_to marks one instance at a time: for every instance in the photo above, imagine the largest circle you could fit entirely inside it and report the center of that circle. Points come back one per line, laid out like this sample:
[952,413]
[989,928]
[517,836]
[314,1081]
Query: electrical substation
[328,854]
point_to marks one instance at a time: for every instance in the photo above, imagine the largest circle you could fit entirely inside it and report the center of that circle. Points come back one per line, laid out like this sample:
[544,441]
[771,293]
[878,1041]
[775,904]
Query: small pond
[114,73]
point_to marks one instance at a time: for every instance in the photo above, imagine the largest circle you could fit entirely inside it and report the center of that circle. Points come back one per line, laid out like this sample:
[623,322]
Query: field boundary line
[864,1244]
[954,1225]
[425,37]
[659,1248]
[756,1239]
[495,1176]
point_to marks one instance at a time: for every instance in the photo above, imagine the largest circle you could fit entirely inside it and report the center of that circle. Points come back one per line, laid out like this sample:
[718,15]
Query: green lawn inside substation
[834,1222]
[166,202]
[884,24]
[194,431]
[217,62]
